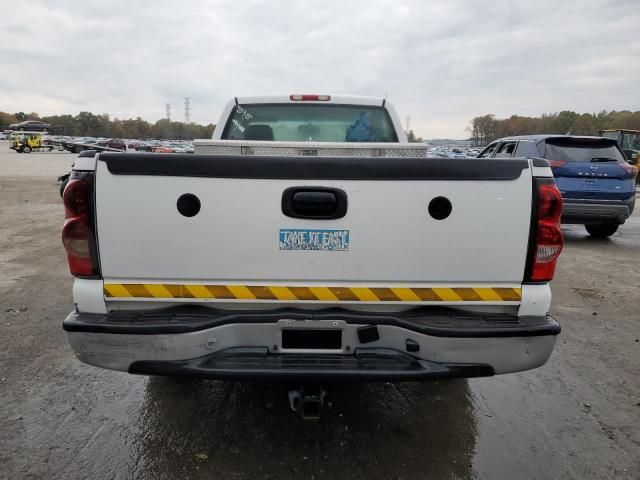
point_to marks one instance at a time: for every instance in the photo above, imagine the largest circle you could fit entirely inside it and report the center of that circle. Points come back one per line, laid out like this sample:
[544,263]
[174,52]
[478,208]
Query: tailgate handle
[321,203]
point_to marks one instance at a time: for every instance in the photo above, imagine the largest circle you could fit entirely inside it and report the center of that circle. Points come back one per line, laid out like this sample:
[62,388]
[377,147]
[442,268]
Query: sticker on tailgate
[326,240]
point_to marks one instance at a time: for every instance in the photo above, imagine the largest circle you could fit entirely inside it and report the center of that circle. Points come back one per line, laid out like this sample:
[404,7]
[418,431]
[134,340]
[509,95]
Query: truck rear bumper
[372,347]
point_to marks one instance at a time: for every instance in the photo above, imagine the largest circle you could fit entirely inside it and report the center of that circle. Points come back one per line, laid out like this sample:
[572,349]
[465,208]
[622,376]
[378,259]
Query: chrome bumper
[249,346]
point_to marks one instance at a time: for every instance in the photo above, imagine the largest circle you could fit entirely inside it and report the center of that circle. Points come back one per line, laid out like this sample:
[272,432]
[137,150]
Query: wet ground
[577,417]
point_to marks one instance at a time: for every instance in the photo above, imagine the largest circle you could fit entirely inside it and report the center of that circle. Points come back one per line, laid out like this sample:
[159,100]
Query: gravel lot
[576,417]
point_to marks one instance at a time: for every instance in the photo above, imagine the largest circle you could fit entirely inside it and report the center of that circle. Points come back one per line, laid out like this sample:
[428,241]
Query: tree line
[486,128]
[87,124]
[482,129]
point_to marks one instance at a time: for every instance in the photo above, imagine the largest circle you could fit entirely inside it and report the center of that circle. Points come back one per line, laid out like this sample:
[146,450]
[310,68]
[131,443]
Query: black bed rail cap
[313,168]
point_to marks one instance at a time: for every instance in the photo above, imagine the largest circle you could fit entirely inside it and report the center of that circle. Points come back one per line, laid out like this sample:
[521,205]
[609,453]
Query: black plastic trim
[533,230]
[87,153]
[628,202]
[256,363]
[290,209]
[411,345]
[540,162]
[437,322]
[581,211]
[368,334]
[313,168]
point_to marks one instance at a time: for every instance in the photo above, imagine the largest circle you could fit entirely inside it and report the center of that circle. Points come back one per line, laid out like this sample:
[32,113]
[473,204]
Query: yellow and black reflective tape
[311,293]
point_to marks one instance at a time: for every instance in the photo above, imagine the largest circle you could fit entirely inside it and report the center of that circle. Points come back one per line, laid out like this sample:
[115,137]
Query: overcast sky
[440,62]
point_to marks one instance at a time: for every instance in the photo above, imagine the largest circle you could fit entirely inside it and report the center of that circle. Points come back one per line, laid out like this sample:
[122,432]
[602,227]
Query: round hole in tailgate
[440,208]
[188,205]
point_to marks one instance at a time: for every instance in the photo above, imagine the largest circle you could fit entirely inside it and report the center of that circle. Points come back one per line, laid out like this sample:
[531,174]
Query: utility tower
[187,110]
[408,123]
[167,113]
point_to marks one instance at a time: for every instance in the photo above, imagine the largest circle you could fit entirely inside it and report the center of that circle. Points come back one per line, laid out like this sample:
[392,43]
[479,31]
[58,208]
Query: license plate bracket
[311,339]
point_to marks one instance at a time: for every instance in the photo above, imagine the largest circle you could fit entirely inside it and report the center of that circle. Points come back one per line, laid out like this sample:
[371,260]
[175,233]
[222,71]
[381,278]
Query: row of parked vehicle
[79,144]
[33,141]
[453,152]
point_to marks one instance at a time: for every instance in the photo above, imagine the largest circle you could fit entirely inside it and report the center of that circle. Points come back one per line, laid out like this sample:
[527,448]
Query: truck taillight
[76,198]
[78,232]
[547,236]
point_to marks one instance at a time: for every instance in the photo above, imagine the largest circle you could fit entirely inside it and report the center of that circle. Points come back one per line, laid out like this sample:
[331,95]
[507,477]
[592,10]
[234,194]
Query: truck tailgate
[240,244]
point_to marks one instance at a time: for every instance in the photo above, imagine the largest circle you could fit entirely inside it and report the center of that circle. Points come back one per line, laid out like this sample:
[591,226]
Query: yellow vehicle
[629,141]
[27,142]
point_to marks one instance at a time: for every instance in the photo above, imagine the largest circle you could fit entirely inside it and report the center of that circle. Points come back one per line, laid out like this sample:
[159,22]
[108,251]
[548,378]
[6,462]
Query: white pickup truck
[310,242]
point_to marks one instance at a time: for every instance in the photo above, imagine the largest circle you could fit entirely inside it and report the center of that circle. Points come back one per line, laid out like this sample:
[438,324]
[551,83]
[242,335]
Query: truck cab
[310,118]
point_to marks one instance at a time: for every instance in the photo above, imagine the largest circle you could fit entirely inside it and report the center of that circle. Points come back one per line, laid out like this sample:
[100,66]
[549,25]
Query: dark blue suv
[593,176]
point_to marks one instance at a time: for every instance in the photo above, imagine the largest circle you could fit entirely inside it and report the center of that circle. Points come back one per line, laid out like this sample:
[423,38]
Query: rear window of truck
[580,150]
[310,123]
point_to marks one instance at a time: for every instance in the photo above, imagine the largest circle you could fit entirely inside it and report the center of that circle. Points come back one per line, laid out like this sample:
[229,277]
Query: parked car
[311,262]
[30,125]
[78,144]
[181,148]
[114,143]
[141,146]
[593,175]
[163,149]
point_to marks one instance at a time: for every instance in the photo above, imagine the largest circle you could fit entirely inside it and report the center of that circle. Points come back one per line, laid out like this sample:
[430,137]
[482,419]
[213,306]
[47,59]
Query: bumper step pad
[258,364]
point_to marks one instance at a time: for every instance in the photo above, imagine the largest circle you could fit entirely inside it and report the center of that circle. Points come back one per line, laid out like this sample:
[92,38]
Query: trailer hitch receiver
[309,401]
